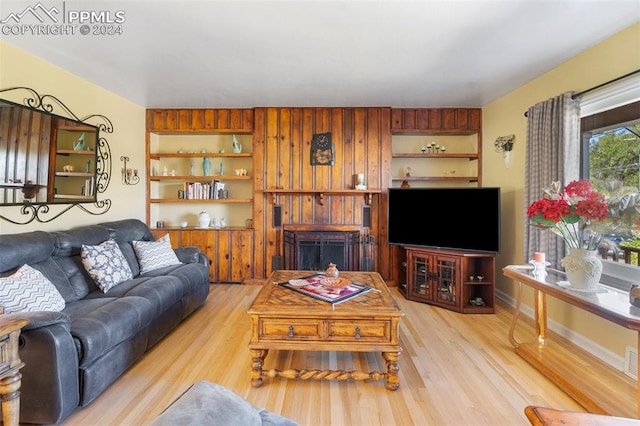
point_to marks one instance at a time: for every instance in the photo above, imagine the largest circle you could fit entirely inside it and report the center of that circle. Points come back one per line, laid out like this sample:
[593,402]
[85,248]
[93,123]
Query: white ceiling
[325,53]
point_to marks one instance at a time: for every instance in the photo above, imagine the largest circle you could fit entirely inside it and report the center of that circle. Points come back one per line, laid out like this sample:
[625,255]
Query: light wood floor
[454,370]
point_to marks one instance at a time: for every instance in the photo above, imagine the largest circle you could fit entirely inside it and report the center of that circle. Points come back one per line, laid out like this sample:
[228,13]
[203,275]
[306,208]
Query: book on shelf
[219,190]
[200,190]
[89,187]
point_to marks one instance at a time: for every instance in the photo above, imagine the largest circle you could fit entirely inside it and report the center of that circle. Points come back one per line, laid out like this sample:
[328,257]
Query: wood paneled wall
[282,150]
[436,120]
[282,161]
[199,120]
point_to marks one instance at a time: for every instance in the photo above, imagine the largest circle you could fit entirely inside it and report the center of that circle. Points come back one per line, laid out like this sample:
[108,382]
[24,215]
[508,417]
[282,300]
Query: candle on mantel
[538,257]
[360,178]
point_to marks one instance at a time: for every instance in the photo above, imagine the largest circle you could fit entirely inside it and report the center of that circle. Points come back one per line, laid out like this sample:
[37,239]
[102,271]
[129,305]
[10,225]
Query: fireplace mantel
[320,193]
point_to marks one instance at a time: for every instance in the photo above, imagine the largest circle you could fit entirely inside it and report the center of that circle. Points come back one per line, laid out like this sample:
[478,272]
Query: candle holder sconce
[129,176]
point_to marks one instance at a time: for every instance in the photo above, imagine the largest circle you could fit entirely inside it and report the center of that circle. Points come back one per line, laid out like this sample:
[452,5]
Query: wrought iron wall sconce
[129,176]
[504,144]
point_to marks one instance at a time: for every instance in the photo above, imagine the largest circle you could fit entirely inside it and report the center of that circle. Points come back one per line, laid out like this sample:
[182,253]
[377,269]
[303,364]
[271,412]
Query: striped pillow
[27,290]
[155,254]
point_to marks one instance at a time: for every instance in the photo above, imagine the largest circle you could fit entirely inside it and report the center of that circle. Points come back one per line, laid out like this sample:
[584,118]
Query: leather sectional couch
[73,355]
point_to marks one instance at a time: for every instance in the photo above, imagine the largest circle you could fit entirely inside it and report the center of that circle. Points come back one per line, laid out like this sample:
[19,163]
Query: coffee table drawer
[368,331]
[290,329]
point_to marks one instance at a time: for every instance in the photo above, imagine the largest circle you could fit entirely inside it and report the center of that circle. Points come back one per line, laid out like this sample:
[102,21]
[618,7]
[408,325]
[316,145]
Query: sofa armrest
[42,319]
[191,255]
[50,378]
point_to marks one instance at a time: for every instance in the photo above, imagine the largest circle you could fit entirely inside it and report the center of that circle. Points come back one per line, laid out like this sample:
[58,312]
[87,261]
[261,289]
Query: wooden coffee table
[284,319]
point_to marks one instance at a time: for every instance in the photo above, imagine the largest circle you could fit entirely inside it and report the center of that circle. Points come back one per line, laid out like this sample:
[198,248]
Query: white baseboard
[577,339]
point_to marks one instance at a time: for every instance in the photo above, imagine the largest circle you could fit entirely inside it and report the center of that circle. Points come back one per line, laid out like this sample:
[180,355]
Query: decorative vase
[332,271]
[203,220]
[506,155]
[206,166]
[583,268]
[237,147]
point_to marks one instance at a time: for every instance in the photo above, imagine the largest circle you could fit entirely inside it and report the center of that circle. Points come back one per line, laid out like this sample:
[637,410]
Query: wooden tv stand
[457,280]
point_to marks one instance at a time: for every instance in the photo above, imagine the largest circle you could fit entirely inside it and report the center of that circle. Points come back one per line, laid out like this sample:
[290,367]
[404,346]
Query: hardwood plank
[594,384]
[454,370]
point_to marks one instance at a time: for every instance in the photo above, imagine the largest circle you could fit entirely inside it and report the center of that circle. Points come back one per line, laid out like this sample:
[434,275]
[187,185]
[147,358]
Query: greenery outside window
[610,157]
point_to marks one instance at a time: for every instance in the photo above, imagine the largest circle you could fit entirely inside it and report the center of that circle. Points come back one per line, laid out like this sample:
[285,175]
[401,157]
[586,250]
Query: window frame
[615,274]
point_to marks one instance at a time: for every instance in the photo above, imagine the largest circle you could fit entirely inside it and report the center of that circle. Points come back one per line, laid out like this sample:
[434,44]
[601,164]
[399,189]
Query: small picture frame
[322,152]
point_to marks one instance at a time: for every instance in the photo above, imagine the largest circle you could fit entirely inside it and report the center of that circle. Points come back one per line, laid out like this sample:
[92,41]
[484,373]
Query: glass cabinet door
[445,270]
[421,282]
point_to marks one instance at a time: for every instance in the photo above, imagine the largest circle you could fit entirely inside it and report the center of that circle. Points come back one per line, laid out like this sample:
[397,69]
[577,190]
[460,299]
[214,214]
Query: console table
[595,385]
[10,366]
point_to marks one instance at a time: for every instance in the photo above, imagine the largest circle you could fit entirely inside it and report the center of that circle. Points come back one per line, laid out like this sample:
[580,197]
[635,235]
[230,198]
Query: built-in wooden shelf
[470,156]
[321,193]
[157,156]
[198,178]
[206,200]
[436,178]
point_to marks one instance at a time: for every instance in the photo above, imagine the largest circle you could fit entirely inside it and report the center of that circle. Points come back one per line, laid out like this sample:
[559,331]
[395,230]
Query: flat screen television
[466,219]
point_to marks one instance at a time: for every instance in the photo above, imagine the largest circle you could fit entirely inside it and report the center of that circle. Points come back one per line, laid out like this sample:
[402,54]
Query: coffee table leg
[391,360]
[257,361]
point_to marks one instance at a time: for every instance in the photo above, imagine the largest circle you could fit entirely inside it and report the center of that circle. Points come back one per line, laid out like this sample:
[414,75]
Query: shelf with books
[199,171]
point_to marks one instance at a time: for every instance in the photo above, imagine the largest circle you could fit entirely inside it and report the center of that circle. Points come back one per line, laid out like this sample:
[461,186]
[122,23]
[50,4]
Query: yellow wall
[18,68]
[612,58]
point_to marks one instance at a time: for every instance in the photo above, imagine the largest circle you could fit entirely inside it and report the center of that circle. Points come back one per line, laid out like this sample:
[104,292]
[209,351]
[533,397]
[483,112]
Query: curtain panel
[552,154]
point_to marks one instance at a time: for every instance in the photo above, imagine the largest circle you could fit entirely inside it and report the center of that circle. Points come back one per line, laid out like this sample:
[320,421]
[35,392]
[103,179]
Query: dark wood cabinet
[459,281]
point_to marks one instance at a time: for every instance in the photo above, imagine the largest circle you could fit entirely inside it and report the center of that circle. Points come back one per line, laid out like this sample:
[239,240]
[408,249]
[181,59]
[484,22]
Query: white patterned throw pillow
[155,254]
[105,264]
[27,290]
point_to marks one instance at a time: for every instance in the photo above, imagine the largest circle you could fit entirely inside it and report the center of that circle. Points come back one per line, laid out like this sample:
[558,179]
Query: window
[611,159]
[611,147]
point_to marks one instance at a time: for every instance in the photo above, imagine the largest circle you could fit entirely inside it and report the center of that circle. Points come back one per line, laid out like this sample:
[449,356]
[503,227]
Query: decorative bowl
[334,283]
[298,283]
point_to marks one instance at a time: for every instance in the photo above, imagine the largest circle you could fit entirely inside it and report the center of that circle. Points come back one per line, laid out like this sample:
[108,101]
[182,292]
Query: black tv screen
[445,218]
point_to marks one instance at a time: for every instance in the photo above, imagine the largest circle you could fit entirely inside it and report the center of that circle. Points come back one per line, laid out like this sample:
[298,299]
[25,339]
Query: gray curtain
[553,154]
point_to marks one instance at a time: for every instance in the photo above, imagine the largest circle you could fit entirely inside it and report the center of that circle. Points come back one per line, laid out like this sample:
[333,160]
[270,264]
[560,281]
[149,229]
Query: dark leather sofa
[72,356]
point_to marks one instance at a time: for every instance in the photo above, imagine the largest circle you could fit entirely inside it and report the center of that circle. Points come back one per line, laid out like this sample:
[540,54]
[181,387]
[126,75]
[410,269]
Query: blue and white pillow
[155,254]
[105,264]
[27,290]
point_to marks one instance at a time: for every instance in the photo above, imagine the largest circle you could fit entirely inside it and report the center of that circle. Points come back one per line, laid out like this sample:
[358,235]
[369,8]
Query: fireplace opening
[314,250]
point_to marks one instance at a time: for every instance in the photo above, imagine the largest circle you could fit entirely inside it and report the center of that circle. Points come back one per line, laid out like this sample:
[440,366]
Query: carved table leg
[257,361]
[391,360]
[10,394]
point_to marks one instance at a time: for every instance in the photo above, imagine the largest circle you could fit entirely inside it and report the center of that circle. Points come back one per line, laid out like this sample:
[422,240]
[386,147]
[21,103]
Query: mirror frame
[42,211]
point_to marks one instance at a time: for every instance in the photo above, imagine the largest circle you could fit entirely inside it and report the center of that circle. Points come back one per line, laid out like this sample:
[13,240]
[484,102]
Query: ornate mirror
[48,158]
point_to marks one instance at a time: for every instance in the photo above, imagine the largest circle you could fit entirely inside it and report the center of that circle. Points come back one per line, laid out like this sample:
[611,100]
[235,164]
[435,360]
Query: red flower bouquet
[572,214]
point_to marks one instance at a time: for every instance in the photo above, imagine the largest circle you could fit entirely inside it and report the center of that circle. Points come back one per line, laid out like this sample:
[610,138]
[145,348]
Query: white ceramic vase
[583,268]
[203,220]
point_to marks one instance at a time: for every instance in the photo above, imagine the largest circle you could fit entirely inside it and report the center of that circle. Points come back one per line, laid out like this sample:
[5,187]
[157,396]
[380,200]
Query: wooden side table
[10,365]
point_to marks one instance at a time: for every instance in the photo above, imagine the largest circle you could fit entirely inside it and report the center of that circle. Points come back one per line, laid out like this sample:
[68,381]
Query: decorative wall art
[504,144]
[322,152]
